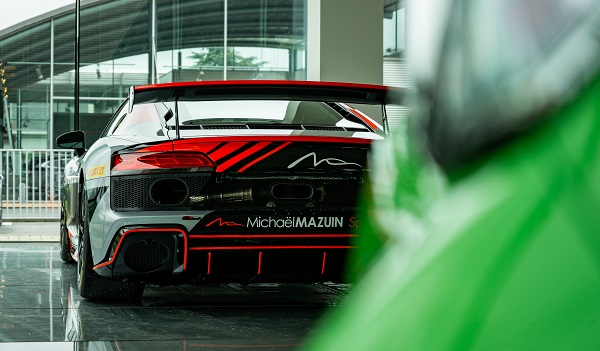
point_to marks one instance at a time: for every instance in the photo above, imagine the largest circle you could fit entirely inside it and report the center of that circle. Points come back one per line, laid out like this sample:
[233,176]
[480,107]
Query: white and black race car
[228,181]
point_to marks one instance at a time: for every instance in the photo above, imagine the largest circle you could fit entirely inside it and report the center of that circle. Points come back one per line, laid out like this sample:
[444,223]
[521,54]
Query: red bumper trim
[305,247]
[271,236]
[146,230]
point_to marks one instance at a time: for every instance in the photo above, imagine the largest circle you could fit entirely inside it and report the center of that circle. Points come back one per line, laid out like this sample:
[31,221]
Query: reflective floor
[39,303]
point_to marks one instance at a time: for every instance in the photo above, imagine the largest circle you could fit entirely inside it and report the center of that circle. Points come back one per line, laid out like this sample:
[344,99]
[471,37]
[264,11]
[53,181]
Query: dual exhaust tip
[174,191]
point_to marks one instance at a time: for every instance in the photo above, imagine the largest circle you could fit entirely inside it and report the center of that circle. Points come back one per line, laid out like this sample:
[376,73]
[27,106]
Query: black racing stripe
[217,147]
[236,152]
[269,148]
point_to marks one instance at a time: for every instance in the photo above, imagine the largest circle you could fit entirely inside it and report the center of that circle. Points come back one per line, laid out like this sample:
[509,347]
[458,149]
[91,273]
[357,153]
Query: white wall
[345,40]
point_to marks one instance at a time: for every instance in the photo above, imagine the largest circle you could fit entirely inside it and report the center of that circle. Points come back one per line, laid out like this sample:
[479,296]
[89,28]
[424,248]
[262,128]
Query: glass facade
[133,42]
[393,29]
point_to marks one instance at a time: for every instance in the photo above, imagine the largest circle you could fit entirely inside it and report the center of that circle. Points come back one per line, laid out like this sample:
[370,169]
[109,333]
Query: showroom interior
[475,225]
[137,42]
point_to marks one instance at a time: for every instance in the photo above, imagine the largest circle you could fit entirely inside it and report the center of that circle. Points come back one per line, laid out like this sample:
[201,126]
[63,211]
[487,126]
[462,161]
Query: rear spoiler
[268,90]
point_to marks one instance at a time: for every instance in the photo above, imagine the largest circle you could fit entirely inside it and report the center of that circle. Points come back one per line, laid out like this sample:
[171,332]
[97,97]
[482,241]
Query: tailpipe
[221,198]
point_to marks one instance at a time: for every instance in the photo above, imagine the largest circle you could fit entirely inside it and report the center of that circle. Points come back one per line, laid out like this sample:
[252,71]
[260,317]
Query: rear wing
[269,90]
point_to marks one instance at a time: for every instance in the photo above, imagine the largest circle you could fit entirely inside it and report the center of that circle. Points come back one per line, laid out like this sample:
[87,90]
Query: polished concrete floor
[41,309]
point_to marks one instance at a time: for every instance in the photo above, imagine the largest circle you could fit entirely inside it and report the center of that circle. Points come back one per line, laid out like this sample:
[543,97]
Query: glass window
[124,44]
[205,113]
[251,40]
[142,121]
[393,29]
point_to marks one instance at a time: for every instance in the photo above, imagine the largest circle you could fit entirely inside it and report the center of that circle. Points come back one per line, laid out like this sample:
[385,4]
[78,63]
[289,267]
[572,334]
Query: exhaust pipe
[221,198]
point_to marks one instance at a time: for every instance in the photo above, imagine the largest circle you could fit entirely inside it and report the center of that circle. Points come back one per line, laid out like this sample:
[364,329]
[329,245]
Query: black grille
[333,129]
[132,193]
[146,255]
[225,126]
[239,192]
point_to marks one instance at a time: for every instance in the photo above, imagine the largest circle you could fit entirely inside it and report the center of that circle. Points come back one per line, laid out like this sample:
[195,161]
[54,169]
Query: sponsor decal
[222,223]
[330,161]
[96,172]
[296,222]
[354,223]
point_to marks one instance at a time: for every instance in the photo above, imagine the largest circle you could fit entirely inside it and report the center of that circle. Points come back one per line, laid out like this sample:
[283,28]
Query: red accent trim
[259,262]
[222,167]
[270,236]
[235,248]
[226,223]
[364,118]
[323,266]
[226,149]
[205,145]
[71,249]
[258,83]
[141,230]
[185,250]
[209,259]
[264,156]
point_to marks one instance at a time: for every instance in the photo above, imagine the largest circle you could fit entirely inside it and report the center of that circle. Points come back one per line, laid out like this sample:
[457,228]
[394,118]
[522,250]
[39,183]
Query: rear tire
[65,247]
[91,285]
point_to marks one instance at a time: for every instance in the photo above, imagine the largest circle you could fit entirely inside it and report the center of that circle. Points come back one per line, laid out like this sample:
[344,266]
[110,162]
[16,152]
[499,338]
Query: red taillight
[140,162]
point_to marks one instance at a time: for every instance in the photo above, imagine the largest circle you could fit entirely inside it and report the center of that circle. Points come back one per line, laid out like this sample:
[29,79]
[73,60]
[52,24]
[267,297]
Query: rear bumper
[170,255]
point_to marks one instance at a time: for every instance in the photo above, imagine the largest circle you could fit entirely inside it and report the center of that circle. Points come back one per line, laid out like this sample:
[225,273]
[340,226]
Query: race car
[219,181]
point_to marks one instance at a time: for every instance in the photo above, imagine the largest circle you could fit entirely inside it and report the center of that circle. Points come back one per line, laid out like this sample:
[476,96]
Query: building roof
[115,29]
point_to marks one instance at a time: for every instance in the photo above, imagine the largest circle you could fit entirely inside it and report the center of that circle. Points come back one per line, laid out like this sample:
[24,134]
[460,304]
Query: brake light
[173,160]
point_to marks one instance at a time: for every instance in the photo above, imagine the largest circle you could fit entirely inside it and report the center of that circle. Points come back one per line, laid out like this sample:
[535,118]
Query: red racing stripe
[226,150]
[241,156]
[263,157]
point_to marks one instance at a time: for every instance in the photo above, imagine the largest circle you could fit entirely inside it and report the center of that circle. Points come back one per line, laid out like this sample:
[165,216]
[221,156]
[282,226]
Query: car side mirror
[72,140]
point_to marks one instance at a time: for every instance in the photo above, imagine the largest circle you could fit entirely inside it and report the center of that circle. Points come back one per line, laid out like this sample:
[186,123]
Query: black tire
[65,251]
[91,285]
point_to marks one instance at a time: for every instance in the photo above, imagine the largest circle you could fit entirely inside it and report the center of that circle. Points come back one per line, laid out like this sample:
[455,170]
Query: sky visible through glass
[14,12]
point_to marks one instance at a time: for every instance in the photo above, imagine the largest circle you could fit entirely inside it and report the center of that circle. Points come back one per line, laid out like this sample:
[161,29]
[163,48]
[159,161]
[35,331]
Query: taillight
[160,161]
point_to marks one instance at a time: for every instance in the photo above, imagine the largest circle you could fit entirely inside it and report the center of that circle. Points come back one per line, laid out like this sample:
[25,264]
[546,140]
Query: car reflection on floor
[39,303]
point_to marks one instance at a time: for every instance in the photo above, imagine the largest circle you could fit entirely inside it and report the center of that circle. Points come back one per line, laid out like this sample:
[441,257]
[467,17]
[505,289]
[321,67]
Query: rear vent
[274,126]
[239,191]
[292,191]
[226,126]
[333,129]
[146,256]
[169,191]
[141,193]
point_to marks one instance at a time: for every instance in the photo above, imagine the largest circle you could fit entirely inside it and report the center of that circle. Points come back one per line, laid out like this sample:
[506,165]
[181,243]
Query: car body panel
[264,192]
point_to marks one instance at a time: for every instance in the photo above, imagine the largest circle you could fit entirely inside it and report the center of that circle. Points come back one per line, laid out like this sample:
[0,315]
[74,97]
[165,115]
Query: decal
[264,156]
[330,161]
[354,223]
[296,222]
[226,223]
[232,161]
[96,172]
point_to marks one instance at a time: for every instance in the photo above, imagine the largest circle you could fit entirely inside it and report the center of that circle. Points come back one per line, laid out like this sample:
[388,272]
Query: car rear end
[238,202]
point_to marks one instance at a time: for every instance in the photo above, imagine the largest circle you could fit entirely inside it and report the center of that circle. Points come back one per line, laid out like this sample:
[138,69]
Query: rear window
[198,113]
